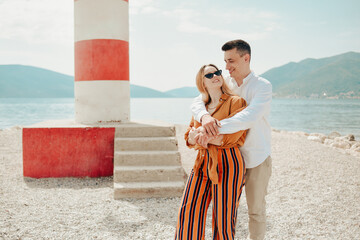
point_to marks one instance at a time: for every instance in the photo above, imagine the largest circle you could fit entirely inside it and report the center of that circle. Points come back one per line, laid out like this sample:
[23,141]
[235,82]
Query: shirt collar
[246,79]
[224,97]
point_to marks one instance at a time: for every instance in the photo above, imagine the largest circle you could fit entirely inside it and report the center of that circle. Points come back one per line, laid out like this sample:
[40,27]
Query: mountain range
[19,81]
[332,76]
[336,76]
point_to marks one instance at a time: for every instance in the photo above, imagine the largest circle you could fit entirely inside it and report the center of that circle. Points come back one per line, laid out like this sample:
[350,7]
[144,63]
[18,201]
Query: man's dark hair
[241,46]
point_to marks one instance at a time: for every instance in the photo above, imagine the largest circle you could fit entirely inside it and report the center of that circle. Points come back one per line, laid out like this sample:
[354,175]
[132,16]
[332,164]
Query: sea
[306,115]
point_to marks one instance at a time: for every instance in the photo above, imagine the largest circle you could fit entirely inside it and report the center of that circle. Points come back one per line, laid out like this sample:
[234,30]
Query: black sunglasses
[211,75]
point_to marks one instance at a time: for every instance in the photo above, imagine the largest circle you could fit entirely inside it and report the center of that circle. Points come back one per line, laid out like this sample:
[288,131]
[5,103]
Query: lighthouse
[102,89]
[84,146]
[101,141]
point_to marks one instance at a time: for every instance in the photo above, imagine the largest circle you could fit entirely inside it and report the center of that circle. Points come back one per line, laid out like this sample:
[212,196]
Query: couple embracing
[231,131]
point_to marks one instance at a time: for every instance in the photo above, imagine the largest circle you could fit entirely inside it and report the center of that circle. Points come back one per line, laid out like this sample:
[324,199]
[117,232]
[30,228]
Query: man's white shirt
[257,93]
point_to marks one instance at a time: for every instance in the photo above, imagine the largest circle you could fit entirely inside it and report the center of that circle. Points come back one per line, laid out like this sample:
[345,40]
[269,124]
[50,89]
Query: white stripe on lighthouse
[105,19]
[102,101]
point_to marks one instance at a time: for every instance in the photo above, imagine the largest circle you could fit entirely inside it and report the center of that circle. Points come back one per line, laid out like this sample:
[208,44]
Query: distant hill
[18,81]
[332,76]
[337,76]
[184,92]
[144,92]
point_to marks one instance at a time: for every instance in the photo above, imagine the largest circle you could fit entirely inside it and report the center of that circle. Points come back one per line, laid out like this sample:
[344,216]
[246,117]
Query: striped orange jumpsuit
[218,175]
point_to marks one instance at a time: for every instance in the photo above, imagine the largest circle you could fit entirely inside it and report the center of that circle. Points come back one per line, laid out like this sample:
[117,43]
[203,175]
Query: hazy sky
[170,40]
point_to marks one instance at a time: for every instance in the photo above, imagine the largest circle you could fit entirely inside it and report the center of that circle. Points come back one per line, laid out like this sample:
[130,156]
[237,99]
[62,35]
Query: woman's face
[214,82]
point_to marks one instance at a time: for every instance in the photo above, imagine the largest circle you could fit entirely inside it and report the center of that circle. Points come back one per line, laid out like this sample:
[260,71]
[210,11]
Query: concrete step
[148,189]
[146,144]
[147,158]
[144,130]
[148,173]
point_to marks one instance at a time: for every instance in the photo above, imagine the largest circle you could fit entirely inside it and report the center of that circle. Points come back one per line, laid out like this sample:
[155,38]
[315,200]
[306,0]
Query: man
[256,150]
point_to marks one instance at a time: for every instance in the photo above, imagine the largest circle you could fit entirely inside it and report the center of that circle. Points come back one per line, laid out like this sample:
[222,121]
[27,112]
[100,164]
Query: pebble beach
[313,193]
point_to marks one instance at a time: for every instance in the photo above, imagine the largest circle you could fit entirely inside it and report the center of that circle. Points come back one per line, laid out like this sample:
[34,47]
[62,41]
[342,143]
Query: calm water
[306,115]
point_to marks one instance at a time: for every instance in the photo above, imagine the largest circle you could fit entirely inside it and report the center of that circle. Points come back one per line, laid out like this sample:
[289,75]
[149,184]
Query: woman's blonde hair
[201,87]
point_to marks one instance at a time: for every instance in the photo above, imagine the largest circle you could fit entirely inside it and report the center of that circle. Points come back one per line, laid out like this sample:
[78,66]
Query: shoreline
[347,144]
[313,194]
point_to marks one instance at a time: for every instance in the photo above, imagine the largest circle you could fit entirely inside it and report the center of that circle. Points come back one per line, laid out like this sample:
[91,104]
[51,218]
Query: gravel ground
[314,193]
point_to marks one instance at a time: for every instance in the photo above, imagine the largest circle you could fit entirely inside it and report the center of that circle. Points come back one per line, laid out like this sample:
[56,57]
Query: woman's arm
[213,140]
[189,139]
[218,140]
[201,115]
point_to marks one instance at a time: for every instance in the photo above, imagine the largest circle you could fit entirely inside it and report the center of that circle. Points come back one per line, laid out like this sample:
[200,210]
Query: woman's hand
[192,134]
[199,136]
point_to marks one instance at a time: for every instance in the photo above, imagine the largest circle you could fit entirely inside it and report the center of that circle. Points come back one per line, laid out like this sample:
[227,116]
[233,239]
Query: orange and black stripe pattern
[200,191]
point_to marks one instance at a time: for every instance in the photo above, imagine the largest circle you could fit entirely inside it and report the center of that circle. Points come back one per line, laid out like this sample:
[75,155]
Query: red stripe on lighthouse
[101,59]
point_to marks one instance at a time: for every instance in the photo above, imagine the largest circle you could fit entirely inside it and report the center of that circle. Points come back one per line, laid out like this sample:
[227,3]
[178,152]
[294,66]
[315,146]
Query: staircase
[147,162]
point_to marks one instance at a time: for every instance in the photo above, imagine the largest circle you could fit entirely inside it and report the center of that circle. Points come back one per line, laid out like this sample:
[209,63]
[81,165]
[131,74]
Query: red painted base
[68,152]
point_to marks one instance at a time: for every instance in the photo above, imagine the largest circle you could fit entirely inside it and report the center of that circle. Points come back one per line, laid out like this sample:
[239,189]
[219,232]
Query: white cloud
[141,3]
[37,21]
[149,10]
[143,7]
[244,15]
[38,33]
[182,13]
[191,21]
[190,27]
[230,24]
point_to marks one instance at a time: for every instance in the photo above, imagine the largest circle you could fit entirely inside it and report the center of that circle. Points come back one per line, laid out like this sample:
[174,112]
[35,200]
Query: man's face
[236,64]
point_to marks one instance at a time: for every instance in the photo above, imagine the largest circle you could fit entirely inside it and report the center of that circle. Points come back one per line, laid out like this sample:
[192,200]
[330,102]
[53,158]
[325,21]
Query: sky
[171,40]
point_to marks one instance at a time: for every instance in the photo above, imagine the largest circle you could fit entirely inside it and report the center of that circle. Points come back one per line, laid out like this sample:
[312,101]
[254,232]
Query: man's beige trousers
[256,184]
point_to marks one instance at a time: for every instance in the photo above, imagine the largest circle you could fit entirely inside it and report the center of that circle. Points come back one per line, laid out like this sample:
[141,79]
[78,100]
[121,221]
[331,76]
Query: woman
[219,170]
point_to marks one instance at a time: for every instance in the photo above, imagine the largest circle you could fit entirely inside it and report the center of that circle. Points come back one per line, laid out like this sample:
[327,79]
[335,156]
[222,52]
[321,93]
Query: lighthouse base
[63,148]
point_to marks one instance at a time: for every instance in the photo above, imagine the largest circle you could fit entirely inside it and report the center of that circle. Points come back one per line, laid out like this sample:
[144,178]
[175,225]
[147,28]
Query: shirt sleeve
[259,106]
[237,105]
[198,108]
